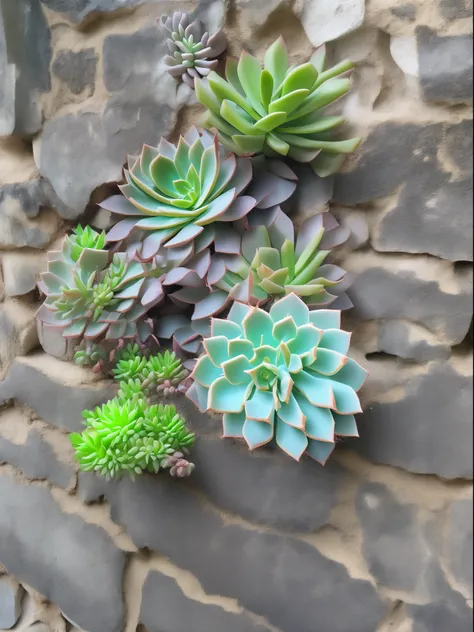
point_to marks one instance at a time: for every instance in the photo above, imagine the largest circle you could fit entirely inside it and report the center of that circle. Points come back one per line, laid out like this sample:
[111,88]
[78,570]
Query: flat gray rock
[428,430]
[165,608]
[11,594]
[77,69]
[327,20]
[445,66]
[431,213]
[455,9]
[268,488]
[459,537]
[281,578]
[410,342]
[21,270]
[18,334]
[73,564]
[78,10]
[57,391]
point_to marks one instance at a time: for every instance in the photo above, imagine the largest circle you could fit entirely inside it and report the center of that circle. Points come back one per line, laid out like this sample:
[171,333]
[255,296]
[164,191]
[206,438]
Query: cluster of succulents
[131,434]
[204,257]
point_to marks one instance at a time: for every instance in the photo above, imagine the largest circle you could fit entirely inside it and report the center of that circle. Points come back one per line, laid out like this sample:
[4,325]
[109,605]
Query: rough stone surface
[459,537]
[410,342]
[76,69]
[450,612]
[397,292]
[405,11]
[166,609]
[393,544]
[36,457]
[326,20]
[57,391]
[78,10]
[86,578]
[79,152]
[456,9]
[431,211]
[445,66]
[18,335]
[428,430]
[11,594]
[21,270]
[272,489]
[25,54]
[253,16]
[266,567]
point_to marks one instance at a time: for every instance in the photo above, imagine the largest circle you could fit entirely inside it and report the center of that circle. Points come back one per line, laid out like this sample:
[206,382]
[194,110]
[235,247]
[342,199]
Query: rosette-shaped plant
[88,296]
[283,374]
[278,109]
[130,436]
[189,194]
[192,51]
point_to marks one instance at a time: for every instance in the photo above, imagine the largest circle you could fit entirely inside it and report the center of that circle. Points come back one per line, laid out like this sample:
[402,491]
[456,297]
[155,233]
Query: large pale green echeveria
[176,194]
[283,374]
[278,109]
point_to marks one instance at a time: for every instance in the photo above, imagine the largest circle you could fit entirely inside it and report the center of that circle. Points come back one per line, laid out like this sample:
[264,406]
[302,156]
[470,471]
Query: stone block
[459,536]
[410,342]
[327,20]
[11,594]
[18,335]
[75,565]
[76,69]
[21,270]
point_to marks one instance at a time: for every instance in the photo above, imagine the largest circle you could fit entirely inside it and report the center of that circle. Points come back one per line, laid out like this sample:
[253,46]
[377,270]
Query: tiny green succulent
[281,374]
[278,109]
[130,436]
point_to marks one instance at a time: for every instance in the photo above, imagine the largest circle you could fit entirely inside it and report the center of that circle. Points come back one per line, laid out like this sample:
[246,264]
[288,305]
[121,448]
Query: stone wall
[381,538]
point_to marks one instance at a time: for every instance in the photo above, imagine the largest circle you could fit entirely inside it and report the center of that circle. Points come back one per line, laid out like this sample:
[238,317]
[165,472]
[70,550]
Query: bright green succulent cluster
[278,108]
[162,372]
[281,374]
[130,436]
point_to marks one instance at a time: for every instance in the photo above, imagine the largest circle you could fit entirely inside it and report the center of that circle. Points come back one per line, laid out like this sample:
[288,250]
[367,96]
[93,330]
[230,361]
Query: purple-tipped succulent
[193,51]
[283,375]
[178,465]
[191,194]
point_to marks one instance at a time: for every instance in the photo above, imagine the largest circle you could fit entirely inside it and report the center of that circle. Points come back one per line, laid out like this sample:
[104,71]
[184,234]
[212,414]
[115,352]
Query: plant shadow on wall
[203,260]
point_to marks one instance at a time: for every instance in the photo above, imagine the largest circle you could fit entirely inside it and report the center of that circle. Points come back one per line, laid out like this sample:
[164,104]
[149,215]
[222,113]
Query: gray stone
[428,430]
[79,152]
[312,195]
[37,460]
[212,13]
[279,577]
[411,342]
[394,548]
[78,10]
[21,270]
[73,564]
[57,391]
[327,20]
[17,231]
[431,213]
[448,613]
[166,609]
[254,16]
[445,66]
[25,54]
[76,69]
[459,536]
[11,594]
[405,11]
[456,9]
[18,335]
[268,487]
[402,293]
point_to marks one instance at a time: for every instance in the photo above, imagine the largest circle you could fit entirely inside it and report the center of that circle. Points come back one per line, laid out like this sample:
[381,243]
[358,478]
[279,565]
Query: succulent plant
[188,196]
[277,109]
[281,374]
[162,372]
[179,465]
[90,296]
[82,238]
[193,51]
[130,436]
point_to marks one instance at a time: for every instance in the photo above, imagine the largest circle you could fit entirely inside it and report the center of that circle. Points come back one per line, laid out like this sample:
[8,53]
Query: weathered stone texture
[459,537]
[76,69]
[85,580]
[18,335]
[11,594]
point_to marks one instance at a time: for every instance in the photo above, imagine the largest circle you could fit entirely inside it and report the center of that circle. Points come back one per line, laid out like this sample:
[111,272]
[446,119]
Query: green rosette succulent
[190,194]
[281,375]
[278,109]
[193,51]
[93,295]
[130,437]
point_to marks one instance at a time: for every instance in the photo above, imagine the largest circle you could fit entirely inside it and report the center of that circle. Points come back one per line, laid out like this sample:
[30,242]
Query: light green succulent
[278,109]
[130,437]
[281,374]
